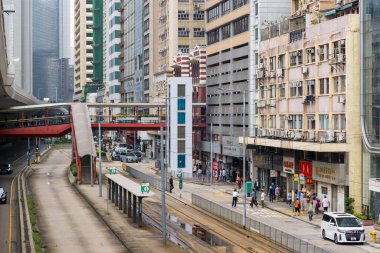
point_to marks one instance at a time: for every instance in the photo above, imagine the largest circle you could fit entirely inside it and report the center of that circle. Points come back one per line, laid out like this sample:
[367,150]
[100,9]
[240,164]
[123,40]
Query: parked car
[342,228]
[139,155]
[3,196]
[120,147]
[6,169]
[115,156]
[128,157]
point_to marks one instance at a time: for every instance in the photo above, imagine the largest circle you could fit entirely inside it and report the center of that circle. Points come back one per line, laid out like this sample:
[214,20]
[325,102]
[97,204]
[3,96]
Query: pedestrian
[289,198]
[239,181]
[277,192]
[310,209]
[171,184]
[262,198]
[235,196]
[297,207]
[199,172]
[253,198]
[271,192]
[325,204]
[224,175]
[256,185]
[317,204]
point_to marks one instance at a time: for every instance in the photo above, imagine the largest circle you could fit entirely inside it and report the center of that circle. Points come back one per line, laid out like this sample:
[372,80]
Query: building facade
[232,44]
[111,61]
[308,118]
[370,67]
[83,48]
[51,40]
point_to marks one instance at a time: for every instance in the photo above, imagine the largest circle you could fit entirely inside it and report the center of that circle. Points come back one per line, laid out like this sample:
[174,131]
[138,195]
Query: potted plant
[377,225]
[366,220]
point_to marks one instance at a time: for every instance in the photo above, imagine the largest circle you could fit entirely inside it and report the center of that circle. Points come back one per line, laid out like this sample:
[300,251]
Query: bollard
[373,233]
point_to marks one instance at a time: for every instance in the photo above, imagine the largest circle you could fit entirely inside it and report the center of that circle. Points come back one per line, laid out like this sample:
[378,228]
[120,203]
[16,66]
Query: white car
[342,228]
[3,196]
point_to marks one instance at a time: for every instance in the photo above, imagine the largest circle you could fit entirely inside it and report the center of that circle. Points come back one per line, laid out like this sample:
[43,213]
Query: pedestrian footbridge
[57,120]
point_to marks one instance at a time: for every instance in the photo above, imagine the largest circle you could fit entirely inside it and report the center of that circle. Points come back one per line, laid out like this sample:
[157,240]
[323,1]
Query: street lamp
[244,154]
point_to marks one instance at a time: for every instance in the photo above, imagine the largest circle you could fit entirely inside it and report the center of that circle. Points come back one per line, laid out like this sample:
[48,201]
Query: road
[65,220]
[16,155]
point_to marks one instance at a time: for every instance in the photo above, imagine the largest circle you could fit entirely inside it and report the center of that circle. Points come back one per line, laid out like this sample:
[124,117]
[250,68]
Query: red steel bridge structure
[57,120]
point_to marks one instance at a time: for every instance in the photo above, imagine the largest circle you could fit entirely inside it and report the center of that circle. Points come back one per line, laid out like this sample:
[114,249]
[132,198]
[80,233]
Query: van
[342,228]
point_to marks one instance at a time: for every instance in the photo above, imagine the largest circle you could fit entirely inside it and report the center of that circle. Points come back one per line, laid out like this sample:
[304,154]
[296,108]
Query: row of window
[223,8]
[237,26]
[309,55]
[336,122]
[197,15]
[299,88]
[185,32]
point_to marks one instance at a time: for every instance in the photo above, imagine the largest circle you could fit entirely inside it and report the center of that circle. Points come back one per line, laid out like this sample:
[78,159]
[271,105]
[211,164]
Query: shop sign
[235,151]
[288,164]
[296,178]
[309,181]
[215,166]
[306,168]
[273,173]
[332,173]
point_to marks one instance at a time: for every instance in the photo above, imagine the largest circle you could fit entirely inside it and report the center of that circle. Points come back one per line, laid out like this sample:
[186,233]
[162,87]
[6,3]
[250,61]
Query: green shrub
[349,205]
[33,221]
[73,169]
[363,217]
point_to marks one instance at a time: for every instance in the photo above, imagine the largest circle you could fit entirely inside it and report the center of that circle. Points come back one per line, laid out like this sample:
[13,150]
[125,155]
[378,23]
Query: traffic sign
[145,188]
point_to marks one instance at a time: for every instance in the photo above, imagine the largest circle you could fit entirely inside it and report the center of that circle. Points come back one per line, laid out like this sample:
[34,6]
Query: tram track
[237,238]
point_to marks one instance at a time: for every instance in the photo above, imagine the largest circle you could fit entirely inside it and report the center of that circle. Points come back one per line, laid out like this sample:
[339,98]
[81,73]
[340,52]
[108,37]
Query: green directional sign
[112,170]
[145,188]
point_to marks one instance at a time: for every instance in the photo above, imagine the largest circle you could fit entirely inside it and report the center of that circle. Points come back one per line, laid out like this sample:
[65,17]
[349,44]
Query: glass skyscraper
[48,44]
[370,105]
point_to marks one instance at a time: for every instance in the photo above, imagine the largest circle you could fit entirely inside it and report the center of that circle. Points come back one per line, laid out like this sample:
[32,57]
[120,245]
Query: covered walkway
[124,193]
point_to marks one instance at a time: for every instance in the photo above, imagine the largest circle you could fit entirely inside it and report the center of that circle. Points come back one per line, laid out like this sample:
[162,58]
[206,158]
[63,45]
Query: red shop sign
[306,168]
[309,181]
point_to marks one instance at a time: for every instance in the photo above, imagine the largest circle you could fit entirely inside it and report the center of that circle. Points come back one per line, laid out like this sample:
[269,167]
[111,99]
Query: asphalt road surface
[16,155]
[65,220]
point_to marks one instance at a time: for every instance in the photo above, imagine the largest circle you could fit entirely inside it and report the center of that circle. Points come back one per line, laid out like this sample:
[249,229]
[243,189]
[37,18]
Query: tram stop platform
[124,193]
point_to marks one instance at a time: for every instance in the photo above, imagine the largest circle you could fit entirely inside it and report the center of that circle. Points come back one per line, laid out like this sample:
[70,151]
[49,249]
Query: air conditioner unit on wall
[280,73]
[272,74]
[342,99]
[298,136]
[305,70]
[311,136]
[340,137]
[330,136]
[272,103]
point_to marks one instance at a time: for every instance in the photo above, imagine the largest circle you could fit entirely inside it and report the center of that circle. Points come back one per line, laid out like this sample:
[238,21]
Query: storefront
[306,177]
[330,181]
[288,167]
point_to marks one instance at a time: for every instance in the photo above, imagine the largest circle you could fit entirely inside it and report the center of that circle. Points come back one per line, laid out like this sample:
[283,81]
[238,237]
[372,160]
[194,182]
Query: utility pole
[244,150]
[211,169]
[163,187]
[100,160]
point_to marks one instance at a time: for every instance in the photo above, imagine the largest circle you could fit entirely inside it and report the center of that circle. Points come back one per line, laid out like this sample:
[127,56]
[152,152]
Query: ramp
[83,141]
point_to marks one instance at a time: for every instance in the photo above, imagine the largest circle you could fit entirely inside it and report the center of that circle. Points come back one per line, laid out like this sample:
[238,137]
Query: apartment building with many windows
[308,105]
[83,50]
[232,43]
[111,60]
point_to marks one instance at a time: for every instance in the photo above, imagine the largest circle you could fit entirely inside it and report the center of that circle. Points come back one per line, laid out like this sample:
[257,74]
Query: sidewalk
[277,214]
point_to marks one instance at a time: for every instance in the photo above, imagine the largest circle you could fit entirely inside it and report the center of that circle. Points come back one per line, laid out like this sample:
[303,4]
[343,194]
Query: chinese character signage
[288,164]
[306,168]
[332,173]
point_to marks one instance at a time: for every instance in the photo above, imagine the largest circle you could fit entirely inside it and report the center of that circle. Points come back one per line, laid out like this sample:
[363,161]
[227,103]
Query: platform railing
[35,121]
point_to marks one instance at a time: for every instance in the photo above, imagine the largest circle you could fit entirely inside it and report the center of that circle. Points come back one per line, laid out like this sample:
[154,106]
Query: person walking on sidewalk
[239,181]
[171,184]
[235,196]
[253,198]
[277,192]
[262,198]
[271,192]
[325,204]
[317,204]
[289,198]
[256,185]
[224,175]
[310,209]
[297,207]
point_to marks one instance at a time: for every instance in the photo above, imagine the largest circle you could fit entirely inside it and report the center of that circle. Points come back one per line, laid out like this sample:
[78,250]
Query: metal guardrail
[276,236]
[154,182]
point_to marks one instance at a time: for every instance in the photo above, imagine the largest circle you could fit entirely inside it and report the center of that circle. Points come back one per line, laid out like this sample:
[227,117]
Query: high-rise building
[97,41]
[308,104]
[233,37]
[131,65]
[51,40]
[83,49]
[111,61]
[180,27]
[370,121]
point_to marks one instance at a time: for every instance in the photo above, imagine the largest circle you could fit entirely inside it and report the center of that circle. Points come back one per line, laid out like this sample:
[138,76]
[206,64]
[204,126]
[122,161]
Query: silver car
[128,157]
